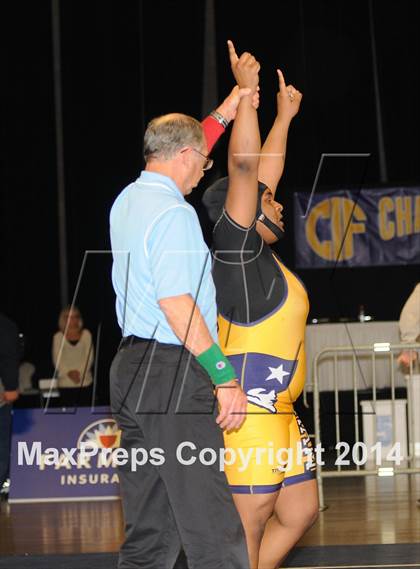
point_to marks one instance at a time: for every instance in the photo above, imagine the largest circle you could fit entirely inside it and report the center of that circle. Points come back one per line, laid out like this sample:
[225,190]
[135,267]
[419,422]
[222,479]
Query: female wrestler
[262,314]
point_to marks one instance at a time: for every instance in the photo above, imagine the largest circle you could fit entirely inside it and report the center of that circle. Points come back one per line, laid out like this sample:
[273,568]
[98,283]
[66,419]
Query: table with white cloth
[322,336]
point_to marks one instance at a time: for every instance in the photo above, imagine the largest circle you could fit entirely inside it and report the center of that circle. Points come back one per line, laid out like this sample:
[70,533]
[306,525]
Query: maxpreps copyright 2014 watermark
[187,453]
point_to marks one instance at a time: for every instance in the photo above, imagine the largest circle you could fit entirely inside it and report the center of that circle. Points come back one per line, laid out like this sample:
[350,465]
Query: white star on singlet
[277,373]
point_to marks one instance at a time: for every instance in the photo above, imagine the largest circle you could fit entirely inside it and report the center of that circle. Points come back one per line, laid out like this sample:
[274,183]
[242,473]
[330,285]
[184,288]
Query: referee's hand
[233,403]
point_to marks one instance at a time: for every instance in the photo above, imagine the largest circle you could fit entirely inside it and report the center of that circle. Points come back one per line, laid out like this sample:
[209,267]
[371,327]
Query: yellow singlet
[272,447]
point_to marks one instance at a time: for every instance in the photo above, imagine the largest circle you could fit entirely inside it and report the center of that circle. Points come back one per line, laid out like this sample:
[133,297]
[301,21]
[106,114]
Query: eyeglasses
[208,162]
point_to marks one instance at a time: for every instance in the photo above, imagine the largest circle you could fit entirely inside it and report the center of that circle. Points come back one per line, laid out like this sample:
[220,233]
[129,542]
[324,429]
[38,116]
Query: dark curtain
[125,62]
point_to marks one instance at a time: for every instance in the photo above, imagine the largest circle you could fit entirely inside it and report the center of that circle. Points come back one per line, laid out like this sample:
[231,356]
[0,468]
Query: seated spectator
[72,352]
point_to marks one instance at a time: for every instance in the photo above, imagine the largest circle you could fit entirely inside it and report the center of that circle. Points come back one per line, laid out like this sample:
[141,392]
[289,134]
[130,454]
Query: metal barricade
[355,351]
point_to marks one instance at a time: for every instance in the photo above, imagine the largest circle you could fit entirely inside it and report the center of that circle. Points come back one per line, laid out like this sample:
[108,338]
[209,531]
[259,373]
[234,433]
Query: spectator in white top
[410,327]
[72,350]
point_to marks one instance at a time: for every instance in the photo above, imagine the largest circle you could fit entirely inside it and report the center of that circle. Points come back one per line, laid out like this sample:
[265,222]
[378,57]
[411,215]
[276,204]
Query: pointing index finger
[232,53]
[282,82]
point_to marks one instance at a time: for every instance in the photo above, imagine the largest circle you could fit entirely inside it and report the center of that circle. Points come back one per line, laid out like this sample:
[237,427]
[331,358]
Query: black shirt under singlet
[249,283]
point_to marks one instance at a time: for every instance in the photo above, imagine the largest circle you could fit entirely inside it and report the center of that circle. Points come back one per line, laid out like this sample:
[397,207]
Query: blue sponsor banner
[42,470]
[357,229]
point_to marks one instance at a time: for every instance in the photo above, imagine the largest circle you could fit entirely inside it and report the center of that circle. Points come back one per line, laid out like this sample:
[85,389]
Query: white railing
[361,468]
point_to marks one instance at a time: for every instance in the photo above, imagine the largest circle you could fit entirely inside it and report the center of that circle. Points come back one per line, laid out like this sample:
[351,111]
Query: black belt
[128,341]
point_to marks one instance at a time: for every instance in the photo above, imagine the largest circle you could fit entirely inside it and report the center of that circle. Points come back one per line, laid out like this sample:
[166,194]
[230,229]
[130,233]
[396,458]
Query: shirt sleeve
[410,317]
[248,282]
[234,243]
[55,348]
[213,130]
[177,253]
[58,358]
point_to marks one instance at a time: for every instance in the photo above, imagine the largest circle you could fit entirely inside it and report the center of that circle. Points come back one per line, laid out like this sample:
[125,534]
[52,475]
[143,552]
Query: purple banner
[357,229]
[63,455]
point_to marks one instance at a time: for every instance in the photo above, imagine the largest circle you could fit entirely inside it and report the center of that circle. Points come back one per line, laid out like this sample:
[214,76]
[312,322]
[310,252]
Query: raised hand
[288,99]
[245,69]
[229,107]
[244,146]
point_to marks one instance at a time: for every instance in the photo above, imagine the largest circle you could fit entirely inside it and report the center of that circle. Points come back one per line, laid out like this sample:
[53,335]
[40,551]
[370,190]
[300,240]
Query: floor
[360,511]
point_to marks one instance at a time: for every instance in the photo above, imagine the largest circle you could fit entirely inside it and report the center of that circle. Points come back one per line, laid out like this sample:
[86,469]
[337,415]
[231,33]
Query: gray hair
[166,135]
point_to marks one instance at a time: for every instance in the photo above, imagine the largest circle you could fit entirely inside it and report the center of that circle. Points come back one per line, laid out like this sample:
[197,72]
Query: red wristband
[213,130]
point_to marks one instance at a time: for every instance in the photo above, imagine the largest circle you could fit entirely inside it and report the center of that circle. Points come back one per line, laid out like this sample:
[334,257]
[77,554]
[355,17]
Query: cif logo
[101,434]
[341,219]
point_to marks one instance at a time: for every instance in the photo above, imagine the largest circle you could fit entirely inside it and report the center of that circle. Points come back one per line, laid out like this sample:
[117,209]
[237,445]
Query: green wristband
[217,365]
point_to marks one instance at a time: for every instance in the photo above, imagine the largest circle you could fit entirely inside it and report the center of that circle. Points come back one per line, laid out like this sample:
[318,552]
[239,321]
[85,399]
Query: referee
[169,361]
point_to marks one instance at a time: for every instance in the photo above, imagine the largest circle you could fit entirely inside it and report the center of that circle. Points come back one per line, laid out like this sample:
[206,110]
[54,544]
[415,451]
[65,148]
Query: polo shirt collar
[153,177]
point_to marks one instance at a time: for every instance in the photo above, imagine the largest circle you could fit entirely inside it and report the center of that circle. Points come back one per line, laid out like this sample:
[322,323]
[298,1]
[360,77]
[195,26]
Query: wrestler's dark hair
[215,196]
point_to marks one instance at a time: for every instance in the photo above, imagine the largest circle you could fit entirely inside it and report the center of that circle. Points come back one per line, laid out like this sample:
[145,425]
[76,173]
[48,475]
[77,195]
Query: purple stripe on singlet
[299,478]
[260,489]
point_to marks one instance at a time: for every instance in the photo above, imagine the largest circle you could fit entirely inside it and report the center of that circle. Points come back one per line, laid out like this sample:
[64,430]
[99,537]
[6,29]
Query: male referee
[169,361]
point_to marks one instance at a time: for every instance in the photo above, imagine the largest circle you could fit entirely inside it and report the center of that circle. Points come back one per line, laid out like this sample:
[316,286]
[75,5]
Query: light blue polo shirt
[158,251]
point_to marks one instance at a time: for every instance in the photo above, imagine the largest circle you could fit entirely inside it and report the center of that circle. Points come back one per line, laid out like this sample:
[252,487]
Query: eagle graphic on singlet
[264,377]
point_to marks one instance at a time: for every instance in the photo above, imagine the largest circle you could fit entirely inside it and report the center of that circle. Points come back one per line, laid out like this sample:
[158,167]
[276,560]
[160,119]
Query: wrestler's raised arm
[245,143]
[273,152]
